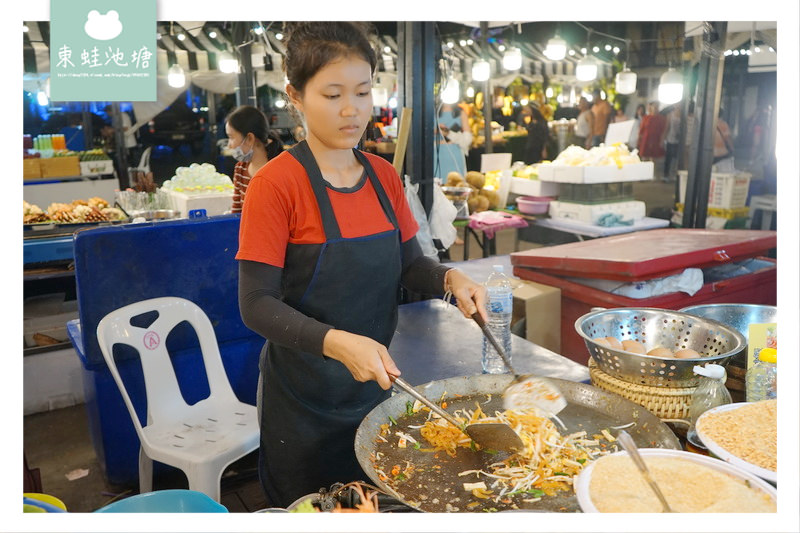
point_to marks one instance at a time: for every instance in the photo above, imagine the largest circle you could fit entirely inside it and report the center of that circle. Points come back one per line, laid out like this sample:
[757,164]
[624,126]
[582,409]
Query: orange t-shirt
[280,208]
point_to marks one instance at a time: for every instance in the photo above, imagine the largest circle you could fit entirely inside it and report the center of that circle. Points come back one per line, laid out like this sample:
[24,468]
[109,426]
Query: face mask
[240,155]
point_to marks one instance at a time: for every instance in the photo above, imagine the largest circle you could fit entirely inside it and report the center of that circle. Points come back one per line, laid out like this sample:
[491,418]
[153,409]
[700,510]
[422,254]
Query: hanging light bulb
[380,96]
[175,76]
[213,34]
[524,101]
[626,81]
[227,63]
[41,98]
[279,36]
[481,70]
[451,91]
[556,48]
[549,92]
[670,88]
[393,102]
[512,59]
[586,69]
[502,48]
[470,92]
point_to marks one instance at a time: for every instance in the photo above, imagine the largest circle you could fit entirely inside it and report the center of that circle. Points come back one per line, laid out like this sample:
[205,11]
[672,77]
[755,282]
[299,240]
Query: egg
[687,353]
[614,343]
[661,352]
[633,346]
[602,341]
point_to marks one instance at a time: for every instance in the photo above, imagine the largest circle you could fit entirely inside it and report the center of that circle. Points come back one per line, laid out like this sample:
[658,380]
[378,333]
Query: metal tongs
[490,435]
[629,446]
[526,391]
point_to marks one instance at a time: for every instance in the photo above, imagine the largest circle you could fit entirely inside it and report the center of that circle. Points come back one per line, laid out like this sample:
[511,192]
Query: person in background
[583,126]
[602,112]
[672,139]
[538,133]
[73,133]
[619,114]
[326,240]
[130,136]
[252,144]
[691,131]
[633,142]
[723,145]
[651,133]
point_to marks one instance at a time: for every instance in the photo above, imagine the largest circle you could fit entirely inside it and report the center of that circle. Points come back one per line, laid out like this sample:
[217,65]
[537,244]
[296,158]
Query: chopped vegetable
[471,486]
[306,506]
[393,420]
[409,408]
[609,437]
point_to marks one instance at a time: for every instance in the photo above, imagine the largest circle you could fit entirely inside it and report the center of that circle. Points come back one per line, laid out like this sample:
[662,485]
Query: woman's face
[234,137]
[337,102]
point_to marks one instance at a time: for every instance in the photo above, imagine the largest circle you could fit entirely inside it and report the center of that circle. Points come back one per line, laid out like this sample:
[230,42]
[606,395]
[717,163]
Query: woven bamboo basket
[667,403]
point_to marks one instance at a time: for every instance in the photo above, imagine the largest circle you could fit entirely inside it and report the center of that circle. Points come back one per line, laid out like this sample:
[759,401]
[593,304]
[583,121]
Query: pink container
[533,205]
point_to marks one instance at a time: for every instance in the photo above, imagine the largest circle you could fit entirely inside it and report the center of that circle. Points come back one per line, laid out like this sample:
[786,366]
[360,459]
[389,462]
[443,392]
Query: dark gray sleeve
[263,311]
[421,274]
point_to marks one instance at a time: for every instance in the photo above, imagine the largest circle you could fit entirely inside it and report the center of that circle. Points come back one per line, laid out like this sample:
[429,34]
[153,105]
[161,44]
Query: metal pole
[416,76]
[709,90]
[245,92]
[487,87]
[119,141]
[88,130]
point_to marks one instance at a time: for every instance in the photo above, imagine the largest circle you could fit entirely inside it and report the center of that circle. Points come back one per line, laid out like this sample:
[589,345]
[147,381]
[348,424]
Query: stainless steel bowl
[737,316]
[657,327]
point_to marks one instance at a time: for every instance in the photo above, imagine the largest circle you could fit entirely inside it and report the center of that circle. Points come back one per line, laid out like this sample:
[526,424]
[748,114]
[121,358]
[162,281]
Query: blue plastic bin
[166,501]
[119,265]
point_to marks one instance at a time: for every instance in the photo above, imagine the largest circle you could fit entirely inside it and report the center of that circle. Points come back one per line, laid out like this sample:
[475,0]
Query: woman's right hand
[365,358]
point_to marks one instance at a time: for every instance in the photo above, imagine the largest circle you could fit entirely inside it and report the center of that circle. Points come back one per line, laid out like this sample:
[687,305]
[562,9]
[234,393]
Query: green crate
[595,193]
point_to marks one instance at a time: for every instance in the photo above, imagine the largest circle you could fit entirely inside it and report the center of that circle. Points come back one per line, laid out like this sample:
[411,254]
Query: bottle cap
[710,371]
[498,268]
[768,355]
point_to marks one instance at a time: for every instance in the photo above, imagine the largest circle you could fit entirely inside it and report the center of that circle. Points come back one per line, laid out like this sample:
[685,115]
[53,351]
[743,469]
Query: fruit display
[93,155]
[484,194]
[198,179]
[94,209]
[616,154]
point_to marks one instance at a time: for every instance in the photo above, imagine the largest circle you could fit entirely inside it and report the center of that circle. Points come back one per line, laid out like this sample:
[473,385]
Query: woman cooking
[326,241]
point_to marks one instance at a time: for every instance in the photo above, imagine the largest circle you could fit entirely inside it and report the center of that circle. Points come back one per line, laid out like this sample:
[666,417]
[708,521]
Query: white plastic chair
[200,439]
[144,161]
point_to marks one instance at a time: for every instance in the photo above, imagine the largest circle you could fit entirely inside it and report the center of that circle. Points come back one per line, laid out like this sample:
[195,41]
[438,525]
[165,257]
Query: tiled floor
[58,442]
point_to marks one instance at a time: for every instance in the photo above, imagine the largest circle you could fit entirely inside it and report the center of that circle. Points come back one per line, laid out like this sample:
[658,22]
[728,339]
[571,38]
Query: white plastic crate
[97,168]
[213,203]
[591,213]
[604,174]
[526,187]
[725,190]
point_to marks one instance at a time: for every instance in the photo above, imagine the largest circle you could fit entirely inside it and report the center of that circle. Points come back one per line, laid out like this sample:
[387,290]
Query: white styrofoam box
[213,203]
[51,380]
[604,174]
[725,190]
[591,213]
[97,168]
[526,187]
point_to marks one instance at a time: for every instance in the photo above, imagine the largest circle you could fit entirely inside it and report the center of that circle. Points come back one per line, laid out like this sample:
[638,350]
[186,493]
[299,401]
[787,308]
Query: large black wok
[435,485]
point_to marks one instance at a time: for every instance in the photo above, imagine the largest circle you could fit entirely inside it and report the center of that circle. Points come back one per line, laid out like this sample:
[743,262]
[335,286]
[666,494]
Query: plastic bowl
[166,501]
[533,205]
[583,480]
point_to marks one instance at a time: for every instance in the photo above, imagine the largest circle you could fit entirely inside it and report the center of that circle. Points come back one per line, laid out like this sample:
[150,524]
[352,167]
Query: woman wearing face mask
[252,144]
[326,240]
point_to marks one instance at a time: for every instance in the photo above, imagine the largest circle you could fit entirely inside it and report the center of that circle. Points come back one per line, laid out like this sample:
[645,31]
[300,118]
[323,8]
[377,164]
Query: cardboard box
[31,168]
[58,167]
[540,306]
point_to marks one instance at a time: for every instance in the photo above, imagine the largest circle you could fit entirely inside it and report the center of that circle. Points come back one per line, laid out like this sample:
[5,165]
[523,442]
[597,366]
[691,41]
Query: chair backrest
[164,399]
[144,161]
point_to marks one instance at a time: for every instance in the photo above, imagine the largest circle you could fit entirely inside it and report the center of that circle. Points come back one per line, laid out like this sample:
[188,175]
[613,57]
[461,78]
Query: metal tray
[589,408]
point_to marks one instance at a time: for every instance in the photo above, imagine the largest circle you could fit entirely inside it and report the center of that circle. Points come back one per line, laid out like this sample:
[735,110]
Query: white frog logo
[102,27]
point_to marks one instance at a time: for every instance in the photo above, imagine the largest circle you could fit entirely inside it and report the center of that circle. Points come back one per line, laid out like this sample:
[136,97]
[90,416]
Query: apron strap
[383,198]
[303,154]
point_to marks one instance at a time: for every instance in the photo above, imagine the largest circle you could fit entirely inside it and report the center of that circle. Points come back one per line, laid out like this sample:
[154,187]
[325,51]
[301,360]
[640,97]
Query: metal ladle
[526,391]
[629,446]
[491,435]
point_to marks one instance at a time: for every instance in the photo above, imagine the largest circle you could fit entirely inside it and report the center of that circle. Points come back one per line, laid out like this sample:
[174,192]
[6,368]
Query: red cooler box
[648,255]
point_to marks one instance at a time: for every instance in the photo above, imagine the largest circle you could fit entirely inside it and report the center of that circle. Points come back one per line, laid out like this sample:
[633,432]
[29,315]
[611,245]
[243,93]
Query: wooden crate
[56,167]
[31,168]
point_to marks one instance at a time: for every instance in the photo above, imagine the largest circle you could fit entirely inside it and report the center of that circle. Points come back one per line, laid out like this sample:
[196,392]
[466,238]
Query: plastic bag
[443,213]
[424,233]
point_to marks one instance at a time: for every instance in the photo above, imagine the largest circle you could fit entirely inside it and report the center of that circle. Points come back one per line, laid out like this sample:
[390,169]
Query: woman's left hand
[470,296]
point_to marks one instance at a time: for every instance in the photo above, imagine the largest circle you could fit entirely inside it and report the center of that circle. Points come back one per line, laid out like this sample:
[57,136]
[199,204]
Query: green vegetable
[581,461]
[409,408]
[305,507]
[417,446]
[393,420]
[491,451]
[400,477]
[560,474]
[490,510]
[472,446]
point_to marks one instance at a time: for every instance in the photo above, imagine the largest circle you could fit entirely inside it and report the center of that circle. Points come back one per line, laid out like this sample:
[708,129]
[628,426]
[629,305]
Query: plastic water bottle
[499,310]
[762,377]
[710,393]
